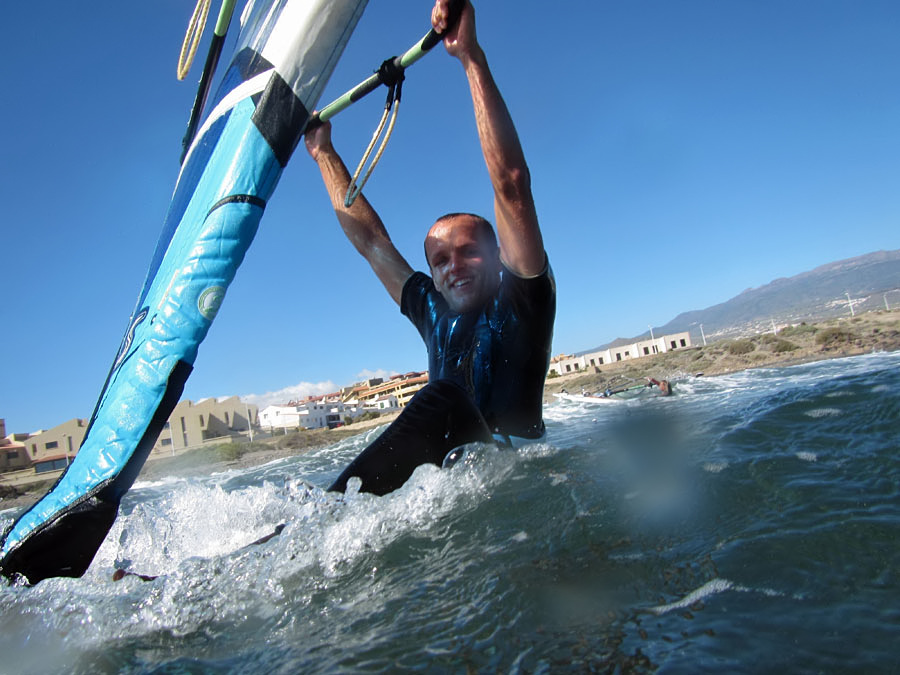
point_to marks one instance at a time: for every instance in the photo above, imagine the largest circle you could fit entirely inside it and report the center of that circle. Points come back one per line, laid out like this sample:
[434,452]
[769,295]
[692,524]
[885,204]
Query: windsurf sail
[284,56]
[285,53]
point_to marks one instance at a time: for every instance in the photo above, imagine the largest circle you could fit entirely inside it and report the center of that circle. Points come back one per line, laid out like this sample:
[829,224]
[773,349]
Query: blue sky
[680,152]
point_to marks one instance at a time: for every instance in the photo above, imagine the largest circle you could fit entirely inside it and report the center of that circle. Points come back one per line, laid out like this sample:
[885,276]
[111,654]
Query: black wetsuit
[486,370]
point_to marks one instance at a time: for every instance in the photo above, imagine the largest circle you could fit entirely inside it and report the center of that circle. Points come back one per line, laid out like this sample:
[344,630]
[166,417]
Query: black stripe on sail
[249,64]
[280,117]
[238,199]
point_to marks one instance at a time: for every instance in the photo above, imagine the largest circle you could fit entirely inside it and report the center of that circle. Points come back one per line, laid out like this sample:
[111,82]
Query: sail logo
[209,302]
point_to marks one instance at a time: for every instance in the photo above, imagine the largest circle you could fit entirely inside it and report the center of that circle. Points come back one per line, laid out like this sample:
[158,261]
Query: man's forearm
[517,225]
[496,131]
[362,225]
[359,221]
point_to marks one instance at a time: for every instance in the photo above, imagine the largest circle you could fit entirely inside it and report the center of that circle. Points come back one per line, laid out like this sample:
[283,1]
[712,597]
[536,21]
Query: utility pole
[249,423]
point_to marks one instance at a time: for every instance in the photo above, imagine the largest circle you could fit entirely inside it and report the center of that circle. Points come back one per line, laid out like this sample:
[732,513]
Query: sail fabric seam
[238,199]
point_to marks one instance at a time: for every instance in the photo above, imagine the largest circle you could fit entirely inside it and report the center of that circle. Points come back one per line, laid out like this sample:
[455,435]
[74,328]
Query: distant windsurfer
[486,312]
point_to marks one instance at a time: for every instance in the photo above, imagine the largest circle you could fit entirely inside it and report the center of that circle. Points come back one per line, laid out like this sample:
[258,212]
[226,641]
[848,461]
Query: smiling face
[464,260]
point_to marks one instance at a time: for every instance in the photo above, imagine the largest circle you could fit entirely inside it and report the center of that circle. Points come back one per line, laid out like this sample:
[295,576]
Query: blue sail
[283,58]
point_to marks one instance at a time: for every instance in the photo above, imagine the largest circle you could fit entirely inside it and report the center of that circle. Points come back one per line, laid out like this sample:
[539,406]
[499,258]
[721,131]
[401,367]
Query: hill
[871,280]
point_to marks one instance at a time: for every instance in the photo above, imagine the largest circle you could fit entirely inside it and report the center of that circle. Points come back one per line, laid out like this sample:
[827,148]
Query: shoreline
[806,343]
[877,331]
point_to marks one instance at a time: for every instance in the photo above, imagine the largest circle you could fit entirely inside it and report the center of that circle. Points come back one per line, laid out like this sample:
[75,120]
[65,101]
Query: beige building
[353,394]
[13,452]
[403,387]
[207,421]
[55,448]
[190,424]
[566,364]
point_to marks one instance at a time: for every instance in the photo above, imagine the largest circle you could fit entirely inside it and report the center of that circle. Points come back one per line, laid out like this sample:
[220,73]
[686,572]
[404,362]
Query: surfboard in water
[284,55]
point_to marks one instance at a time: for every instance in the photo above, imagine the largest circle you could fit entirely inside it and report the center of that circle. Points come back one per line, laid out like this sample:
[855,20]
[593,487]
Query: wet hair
[485,229]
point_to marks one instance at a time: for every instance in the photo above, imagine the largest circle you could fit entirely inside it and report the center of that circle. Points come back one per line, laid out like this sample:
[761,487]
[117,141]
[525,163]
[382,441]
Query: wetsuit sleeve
[530,296]
[415,302]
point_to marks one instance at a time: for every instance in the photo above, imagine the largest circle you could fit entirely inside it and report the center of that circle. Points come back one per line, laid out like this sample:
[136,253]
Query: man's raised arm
[360,223]
[521,245]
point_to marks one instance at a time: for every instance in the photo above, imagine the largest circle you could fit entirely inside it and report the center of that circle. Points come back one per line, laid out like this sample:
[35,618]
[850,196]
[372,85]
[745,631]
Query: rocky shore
[835,338]
[830,339]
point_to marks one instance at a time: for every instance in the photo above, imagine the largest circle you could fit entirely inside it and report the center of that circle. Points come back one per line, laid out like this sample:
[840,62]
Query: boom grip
[372,83]
[456,7]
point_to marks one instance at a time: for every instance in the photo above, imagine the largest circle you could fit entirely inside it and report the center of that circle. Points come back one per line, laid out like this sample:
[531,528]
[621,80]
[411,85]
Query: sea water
[750,523]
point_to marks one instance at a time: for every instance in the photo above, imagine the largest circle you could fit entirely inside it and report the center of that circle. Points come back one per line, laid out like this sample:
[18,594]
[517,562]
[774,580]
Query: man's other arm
[521,244]
[360,222]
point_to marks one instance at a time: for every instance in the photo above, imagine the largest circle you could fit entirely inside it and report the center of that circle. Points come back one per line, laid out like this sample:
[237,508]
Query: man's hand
[318,140]
[461,39]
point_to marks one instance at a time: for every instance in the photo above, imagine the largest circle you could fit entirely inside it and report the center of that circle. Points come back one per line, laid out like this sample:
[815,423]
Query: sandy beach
[834,338]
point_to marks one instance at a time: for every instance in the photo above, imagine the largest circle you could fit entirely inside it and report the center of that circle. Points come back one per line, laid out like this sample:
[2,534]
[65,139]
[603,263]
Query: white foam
[823,412]
[706,590]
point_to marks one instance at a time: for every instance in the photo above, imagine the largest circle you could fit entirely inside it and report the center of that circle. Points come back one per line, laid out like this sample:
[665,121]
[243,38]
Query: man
[485,314]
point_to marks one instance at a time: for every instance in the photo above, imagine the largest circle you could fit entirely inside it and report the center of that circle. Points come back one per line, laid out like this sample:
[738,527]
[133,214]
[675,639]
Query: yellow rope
[353,191]
[192,37]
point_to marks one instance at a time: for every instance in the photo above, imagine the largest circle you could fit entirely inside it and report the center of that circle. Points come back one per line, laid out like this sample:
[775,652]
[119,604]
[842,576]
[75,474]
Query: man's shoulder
[417,286]
[418,281]
[541,285]
[419,300]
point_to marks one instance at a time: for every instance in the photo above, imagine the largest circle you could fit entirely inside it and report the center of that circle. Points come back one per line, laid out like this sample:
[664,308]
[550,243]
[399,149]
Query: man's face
[465,265]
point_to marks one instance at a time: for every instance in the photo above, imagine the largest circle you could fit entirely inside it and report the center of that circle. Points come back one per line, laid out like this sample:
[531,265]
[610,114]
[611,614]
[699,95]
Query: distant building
[351,395]
[384,403]
[402,387]
[279,417]
[13,452]
[329,410]
[55,448]
[568,364]
[314,412]
[208,421]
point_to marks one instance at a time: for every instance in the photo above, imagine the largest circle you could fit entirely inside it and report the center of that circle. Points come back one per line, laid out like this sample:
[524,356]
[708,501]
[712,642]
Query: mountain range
[869,281]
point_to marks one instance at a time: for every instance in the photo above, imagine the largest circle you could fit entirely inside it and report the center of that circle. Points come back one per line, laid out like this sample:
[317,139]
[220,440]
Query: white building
[315,413]
[385,403]
[279,417]
[567,364]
